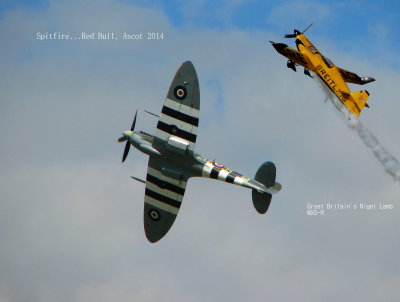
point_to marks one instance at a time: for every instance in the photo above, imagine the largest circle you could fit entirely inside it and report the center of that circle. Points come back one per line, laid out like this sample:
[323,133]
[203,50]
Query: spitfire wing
[163,197]
[175,136]
[351,77]
[293,55]
[179,119]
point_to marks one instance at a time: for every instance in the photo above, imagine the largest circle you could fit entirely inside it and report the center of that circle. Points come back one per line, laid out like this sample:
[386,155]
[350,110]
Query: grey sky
[71,217]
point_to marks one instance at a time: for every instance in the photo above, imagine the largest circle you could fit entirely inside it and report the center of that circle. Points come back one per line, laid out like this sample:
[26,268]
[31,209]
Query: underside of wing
[293,55]
[179,117]
[351,77]
[165,188]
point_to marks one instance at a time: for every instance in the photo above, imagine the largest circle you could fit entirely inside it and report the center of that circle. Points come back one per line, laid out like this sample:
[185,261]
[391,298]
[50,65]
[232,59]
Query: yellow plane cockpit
[328,62]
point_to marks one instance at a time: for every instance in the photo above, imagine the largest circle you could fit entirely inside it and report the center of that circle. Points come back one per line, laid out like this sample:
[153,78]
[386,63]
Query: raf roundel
[180,92]
[217,165]
[154,215]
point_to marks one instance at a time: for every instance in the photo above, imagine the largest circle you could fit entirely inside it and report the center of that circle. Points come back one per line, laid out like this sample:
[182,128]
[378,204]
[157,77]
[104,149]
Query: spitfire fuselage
[143,142]
[194,165]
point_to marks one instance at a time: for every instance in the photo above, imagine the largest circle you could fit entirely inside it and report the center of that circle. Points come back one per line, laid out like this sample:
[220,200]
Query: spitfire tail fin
[266,175]
[360,98]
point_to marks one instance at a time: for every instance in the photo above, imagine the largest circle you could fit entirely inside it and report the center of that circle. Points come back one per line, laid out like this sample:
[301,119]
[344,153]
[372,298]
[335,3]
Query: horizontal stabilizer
[266,175]
[261,201]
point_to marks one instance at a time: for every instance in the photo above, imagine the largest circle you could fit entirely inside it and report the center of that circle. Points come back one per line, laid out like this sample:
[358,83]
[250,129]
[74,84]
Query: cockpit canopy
[328,62]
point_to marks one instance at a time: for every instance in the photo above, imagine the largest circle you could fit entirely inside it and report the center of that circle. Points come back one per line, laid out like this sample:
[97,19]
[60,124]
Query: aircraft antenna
[138,179]
[151,113]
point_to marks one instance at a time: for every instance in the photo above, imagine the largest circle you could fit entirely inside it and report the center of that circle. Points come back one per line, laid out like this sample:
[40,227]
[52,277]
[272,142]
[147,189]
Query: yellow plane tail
[360,98]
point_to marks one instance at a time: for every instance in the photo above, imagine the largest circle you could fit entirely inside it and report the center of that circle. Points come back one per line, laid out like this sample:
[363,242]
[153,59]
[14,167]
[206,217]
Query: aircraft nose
[127,133]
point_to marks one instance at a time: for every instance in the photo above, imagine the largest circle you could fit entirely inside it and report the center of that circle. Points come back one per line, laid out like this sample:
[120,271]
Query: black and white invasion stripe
[178,120]
[164,192]
[210,171]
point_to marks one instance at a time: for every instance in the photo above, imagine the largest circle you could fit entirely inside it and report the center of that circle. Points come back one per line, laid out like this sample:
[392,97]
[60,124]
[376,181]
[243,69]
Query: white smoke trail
[388,161]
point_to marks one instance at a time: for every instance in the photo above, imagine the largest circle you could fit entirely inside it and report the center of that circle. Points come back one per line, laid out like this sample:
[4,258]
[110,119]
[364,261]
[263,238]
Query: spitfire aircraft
[172,160]
[334,77]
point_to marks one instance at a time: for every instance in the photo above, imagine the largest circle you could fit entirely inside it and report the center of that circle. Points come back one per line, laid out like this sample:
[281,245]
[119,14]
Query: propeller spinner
[295,33]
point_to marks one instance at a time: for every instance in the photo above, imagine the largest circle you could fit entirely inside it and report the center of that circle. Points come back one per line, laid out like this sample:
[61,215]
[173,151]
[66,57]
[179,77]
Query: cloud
[72,218]
[202,13]
[292,14]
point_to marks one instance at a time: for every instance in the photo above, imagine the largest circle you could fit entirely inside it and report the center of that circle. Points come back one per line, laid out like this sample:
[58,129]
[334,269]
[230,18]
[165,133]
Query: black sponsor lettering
[329,82]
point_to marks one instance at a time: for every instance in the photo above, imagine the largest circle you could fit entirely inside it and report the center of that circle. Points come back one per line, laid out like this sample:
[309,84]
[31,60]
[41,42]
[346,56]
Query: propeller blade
[134,122]
[125,138]
[126,151]
[295,34]
[307,28]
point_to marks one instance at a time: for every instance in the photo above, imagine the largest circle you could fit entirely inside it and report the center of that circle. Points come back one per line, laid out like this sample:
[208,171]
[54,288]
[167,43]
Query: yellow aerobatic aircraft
[334,77]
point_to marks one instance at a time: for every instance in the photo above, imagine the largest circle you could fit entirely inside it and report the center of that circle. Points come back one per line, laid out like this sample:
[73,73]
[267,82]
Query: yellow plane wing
[351,77]
[293,55]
